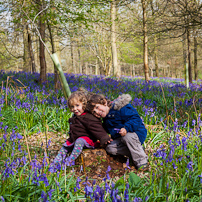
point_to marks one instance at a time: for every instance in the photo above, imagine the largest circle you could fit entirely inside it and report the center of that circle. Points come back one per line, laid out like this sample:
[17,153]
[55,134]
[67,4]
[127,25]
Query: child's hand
[123,132]
[109,141]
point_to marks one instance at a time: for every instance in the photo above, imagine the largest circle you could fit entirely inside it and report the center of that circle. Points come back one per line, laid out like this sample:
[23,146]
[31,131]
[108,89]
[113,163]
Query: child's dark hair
[78,96]
[97,99]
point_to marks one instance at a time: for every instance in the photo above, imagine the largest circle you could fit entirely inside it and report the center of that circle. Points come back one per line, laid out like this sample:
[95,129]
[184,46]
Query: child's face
[77,108]
[100,110]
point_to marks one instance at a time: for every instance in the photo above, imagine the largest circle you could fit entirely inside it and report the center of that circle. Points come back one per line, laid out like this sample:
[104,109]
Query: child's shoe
[142,167]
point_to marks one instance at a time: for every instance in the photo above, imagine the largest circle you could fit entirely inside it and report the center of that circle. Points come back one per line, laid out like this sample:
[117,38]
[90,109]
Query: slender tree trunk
[189,55]
[184,55]
[133,70]
[155,44]
[41,46]
[195,57]
[145,42]
[116,70]
[79,57]
[33,69]
[56,76]
[164,71]
[156,57]
[26,58]
[72,56]
[86,66]
[96,67]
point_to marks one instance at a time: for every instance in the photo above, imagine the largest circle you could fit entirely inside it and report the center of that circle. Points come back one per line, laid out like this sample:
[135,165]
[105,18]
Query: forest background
[150,38]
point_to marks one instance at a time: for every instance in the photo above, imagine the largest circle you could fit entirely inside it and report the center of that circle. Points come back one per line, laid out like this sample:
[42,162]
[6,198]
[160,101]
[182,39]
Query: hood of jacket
[122,101]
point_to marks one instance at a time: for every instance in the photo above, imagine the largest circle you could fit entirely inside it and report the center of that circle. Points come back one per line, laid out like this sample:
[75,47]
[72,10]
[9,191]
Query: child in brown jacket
[85,129]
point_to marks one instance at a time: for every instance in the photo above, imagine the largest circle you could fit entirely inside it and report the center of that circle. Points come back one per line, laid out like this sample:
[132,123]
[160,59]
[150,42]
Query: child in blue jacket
[123,122]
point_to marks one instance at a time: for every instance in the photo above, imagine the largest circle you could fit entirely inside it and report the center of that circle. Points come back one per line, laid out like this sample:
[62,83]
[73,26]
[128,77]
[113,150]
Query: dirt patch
[92,163]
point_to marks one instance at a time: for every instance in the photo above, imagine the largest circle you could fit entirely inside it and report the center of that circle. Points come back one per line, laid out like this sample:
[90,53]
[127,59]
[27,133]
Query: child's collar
[84,113]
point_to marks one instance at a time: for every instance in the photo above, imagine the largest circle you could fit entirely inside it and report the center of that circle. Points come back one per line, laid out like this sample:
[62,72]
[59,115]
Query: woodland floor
[95,161]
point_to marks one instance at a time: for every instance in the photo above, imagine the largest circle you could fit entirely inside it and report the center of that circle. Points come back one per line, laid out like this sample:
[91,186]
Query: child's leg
[138,155]
[62,154]
[78,148]
[117,147]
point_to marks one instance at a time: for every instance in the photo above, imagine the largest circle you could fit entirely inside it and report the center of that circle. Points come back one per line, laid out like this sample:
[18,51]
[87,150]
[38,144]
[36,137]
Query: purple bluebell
[117,130]
[88,191]
[190,165]
[126,195]
[77,183]
[146,198]
[127,164]
[44,196]
[174,166]
[50,193]
[184,143]
[2,198]
[193,122]
[137,199]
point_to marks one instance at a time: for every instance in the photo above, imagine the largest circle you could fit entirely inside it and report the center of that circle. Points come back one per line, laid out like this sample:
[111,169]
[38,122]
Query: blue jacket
[126,117]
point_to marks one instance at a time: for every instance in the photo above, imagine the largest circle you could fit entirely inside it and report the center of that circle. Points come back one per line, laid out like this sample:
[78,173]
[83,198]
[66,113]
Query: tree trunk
[156,57]
[133,70]
[56,76]
[33,69]
[195,57]
[72,56]
[86,66]
[96,67]
[79,57]
[116,70]
[41,46]
[155,43]
[145,42]
[184,55]
[189,55]
[26,58]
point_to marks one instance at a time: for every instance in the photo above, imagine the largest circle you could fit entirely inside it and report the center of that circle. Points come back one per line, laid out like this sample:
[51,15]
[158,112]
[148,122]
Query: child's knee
[110,150]
[80,141]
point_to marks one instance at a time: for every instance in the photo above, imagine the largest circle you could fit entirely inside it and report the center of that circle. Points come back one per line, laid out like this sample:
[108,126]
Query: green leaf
[133,179]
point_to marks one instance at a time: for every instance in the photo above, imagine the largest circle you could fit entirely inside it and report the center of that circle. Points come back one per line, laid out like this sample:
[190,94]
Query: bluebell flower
[126,195]
[146,198]
[108,169]
[184,143]
[193,122]
[137,199]
[94,182]
[49,142]
[43,178]
[108,177]
[77,183]
[189,165]
[167,185]
[127,164]
[50,193]
[88,191]
[2,198]
[44,196]
[174,166]
[196,146]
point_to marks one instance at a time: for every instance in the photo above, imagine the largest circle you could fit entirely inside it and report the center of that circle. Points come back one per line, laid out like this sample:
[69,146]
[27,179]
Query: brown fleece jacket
[87,125]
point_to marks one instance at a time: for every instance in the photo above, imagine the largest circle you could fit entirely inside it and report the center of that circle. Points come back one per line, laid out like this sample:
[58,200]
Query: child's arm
[131,118]
[96,129]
